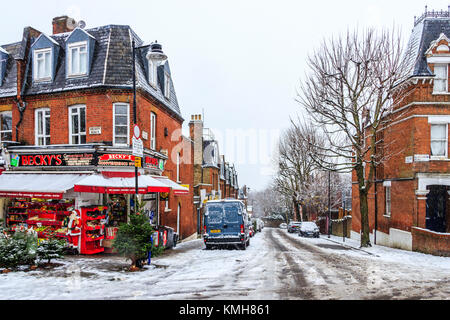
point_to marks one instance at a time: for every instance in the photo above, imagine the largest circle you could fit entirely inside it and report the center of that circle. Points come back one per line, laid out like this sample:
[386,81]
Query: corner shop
[44,187]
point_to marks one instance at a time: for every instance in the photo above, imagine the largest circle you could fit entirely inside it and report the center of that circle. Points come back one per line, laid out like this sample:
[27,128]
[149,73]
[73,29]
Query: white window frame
[77,45]
[434,157]
[44,136]
[152,130]
[5,131]
[388,200]
[445,66]
[166,85]
[152,72]
[36,75]
[114,124]
[80,133]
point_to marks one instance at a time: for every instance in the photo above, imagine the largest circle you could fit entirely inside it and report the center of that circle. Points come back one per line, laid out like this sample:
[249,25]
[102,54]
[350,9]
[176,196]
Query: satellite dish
[81,24]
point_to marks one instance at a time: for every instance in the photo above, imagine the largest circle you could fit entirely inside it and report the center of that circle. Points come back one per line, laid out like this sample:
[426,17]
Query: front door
[436,208]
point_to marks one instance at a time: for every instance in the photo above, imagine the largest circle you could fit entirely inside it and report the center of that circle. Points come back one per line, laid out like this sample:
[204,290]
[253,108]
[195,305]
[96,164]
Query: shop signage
[117,160]
[53,160]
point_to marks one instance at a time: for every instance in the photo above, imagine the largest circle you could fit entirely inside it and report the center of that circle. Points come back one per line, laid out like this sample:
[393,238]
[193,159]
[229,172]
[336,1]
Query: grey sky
[240,61]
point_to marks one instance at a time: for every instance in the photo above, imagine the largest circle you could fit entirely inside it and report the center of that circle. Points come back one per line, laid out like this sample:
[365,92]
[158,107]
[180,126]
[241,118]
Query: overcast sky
[238,62]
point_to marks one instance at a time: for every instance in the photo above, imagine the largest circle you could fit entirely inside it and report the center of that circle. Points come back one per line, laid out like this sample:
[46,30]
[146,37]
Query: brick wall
[431,242]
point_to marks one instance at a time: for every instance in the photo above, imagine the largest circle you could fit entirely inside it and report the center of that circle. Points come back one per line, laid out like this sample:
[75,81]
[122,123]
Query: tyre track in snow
[300,289]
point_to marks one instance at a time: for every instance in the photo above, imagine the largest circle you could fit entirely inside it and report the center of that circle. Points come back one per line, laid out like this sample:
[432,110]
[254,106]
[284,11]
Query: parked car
[283,225]
[226,223]
[259,224]
[308,229]
[293,226]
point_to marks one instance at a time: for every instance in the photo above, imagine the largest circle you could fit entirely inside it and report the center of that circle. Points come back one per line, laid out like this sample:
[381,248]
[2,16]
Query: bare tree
[348,92]
[296,165]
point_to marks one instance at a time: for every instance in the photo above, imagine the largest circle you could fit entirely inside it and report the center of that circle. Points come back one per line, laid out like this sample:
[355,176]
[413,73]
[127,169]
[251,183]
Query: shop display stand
[92,230]
[45,218]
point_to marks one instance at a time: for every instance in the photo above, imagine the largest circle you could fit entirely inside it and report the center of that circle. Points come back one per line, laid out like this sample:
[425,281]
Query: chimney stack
[63,24]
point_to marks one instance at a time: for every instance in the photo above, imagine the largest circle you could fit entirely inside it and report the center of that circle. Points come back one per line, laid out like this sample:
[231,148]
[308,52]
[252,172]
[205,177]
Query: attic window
[441,79]
[166,85]
[152,73]
[42,64]
[77,59]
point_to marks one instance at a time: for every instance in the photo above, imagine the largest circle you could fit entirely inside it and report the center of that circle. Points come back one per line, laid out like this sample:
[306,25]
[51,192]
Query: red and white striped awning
[34,185]
[176,188]
[98,183]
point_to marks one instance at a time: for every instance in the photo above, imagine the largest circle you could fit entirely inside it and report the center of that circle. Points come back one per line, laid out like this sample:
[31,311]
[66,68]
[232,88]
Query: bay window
[42,127]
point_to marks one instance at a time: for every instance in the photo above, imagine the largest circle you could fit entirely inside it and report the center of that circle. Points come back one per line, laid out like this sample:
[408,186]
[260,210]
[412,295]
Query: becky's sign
[54,160]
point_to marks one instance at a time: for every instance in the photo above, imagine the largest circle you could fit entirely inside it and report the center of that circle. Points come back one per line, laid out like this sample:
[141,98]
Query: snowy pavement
[277,265]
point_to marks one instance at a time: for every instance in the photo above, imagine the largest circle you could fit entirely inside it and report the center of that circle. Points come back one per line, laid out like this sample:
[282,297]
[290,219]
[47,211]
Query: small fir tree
[51,249]
[133,238]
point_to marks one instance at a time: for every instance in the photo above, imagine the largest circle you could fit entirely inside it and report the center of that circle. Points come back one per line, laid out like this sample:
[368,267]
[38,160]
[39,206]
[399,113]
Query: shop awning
[34,185]
[176,188]
[98,183]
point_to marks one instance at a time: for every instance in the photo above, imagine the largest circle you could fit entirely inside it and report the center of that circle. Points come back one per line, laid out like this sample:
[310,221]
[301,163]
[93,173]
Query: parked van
[225,223]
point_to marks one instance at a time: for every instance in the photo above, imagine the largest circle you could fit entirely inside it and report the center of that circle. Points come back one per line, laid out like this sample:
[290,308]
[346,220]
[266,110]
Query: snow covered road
[276,265]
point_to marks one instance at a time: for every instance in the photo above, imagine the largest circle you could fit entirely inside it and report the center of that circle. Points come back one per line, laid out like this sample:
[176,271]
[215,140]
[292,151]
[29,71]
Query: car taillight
[242,228]
[204,229]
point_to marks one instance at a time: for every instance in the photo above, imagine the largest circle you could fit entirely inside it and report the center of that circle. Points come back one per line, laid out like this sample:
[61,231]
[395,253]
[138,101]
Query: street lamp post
[329,203]
[135,122]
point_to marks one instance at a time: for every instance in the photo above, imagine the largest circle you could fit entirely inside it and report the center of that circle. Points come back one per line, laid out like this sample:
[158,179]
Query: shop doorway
[436,214]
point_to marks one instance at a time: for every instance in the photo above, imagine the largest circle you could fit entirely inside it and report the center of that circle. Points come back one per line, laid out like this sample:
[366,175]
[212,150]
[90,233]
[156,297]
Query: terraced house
[412,210]
[69,95]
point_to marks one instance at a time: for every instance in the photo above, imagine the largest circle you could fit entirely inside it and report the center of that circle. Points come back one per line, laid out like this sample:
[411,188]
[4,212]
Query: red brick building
[213,177]
[72,92]
[413,185]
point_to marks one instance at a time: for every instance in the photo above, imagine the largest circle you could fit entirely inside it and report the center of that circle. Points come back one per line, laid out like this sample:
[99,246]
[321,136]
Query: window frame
[152,73]
[36,52]
[387,201]
[445,141]
[44,136]
[5,131]
[114,125]
[77,45]
[444,66]
[166,85]
[153,130]
[79,134]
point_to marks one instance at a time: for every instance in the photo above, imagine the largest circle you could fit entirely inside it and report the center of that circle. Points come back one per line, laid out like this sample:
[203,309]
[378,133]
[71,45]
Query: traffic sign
[138,147]
[138,162]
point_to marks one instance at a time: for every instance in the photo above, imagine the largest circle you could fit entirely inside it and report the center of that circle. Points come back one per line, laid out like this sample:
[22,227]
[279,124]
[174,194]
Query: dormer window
[42,64]
[441,78]
[152,75]
[77,59]
[166,85]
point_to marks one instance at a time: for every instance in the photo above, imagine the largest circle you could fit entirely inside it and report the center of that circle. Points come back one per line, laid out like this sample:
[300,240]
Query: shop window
[441,78]
[42,127]
[77,59]
[387,192]
[152,131]
[5,126]
[77,123]
[42,64]
[439,140]
[121,124]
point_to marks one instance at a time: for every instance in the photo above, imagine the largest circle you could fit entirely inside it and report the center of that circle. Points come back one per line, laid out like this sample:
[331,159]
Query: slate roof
[111,67]
[423,34]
